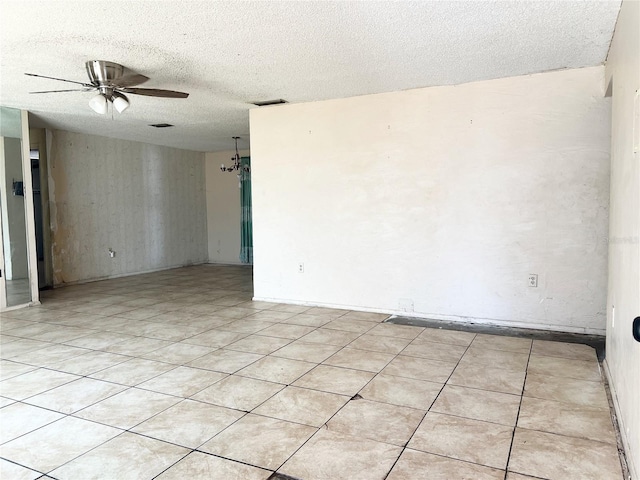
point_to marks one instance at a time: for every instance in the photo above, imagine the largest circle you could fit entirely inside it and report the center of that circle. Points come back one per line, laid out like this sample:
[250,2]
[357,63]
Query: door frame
[30,230]
[32,256]
[3,284]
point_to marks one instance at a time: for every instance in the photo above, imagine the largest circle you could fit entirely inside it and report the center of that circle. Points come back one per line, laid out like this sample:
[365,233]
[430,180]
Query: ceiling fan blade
[60,80]
[129,80]
[154,92]
[70,90]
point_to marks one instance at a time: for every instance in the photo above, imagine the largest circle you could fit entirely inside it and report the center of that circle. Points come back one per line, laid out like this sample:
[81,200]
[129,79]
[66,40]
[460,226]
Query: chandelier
[237,165]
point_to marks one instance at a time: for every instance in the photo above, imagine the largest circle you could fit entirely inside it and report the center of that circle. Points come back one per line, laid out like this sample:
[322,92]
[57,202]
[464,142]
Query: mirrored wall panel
[13,210]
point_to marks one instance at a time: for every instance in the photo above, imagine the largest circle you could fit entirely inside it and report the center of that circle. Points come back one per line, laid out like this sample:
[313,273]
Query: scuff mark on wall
[57,195]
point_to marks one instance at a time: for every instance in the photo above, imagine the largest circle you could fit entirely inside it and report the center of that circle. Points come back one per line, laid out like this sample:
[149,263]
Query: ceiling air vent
[161,125]
[270,102]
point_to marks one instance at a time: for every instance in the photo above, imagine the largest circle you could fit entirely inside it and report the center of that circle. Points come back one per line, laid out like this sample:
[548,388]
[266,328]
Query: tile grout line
[171,284]
[257,406]
[515,426]
[616,425]
[429,409]
[324,425]
[24,466]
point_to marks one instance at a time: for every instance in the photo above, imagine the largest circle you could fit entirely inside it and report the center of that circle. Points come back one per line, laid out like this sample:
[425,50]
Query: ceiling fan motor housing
[104,73]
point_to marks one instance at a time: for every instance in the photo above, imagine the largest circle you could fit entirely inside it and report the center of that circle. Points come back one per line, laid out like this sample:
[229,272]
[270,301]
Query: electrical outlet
[636,124]
[613,316]
[533,279]
[405,305]
[301,268]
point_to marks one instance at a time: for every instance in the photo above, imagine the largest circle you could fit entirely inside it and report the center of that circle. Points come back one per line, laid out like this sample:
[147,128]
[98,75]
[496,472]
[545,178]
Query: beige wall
[145,202]
[223,209]
[623,353]
[440,200]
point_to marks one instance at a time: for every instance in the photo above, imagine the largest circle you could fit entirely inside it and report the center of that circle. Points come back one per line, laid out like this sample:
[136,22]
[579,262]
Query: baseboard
[22,305]
[448,318]
[230,264]
[630,464]
[130,274]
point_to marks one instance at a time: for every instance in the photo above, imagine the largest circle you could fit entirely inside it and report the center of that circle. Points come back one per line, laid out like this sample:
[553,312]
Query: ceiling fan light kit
[99,104]
[112,81]
[120,102]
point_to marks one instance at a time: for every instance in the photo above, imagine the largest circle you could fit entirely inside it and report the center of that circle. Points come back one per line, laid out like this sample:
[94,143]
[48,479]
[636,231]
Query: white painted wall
[144,201]
[223,209]
[623,353]
[447,196]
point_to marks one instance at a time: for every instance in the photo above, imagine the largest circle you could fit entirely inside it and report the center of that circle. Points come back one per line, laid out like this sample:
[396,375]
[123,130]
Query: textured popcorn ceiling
[227,54]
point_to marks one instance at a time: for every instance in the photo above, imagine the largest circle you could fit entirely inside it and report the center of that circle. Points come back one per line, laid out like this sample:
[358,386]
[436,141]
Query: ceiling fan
[111,81]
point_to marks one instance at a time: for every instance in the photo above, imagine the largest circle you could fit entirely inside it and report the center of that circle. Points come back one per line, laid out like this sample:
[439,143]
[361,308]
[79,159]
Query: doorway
[37,214]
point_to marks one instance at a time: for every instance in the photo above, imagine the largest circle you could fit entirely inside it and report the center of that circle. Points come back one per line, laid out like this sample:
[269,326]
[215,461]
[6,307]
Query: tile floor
[18,291]
[179,375]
